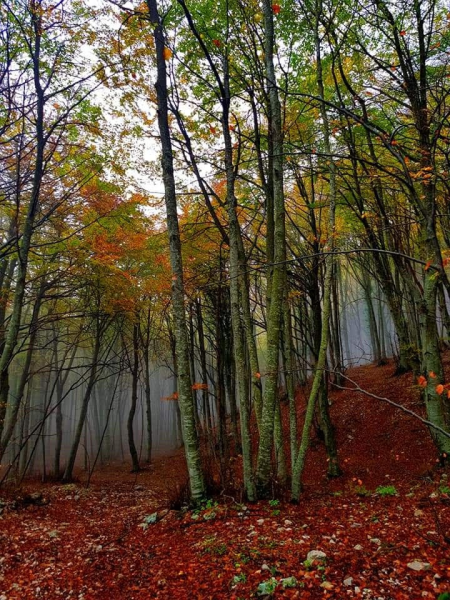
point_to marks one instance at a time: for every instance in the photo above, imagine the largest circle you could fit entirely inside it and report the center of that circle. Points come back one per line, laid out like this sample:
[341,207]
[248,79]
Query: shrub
[361,490]
[289,582]
[268,587]
[386,490]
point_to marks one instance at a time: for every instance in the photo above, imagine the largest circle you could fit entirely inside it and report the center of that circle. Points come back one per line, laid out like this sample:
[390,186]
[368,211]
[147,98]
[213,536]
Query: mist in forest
[53,398]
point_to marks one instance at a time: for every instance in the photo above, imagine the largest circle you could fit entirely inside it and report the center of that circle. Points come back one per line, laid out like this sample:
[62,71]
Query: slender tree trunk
[280,455]
[178,425]
[255,374]
[25,427]
[237,279]
[25,240]
[68,473]
[192,365]
[182,346]
[278,279]
[61,380]
[327,427]
[344,328]
[230,382]
[220,380]
[289,370]
[373,329]
[148,404]
[17,398]
[338,365]
[201,343]
[328,284]
[134,397]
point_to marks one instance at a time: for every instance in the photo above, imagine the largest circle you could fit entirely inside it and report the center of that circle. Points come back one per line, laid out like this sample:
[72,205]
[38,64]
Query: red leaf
[422,381]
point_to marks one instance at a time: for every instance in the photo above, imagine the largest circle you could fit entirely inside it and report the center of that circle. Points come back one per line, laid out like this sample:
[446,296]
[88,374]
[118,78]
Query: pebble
[316,555]
[326,585]
[376,541]
[418,565]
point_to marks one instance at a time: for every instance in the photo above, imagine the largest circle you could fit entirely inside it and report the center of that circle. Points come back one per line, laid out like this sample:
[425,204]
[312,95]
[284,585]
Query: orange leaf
[432,375]
[200,386]
[167,53]
[174,396]
[439,389]
[403,33]
[276,9]
[428,265]
[422,381]
[258,375]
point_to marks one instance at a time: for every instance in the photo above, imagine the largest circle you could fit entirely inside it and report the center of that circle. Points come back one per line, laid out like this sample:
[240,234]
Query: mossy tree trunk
[278,276]
[186,405]
[328,283]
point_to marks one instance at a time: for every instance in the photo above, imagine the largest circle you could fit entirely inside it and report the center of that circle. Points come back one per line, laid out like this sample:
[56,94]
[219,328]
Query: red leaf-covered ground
[90,544]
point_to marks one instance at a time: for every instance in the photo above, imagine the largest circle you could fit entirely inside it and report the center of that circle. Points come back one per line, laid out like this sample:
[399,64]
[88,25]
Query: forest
[224,299]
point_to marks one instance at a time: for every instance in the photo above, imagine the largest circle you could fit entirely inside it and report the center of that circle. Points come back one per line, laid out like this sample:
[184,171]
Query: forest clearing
[224,299]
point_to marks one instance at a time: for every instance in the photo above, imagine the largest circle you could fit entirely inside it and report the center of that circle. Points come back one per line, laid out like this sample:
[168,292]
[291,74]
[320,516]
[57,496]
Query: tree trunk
[68,473]
[201,342]
[134,397]
[148,404]
[278,279]
[328,284]
[27,232]
[17,398]
[192,451]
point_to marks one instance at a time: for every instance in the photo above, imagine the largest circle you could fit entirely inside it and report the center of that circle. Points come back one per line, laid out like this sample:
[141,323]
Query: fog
[56,388]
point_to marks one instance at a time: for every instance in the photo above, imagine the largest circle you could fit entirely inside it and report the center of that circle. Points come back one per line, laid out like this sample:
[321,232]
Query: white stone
[418,565]
[316,555]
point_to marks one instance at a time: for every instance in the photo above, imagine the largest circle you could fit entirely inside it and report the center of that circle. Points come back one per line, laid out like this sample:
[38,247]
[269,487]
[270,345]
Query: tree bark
[191,446]
[134,397]
[278,279]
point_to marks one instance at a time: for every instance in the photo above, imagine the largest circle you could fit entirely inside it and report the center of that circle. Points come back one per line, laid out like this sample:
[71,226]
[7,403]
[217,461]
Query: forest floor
[100,542]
